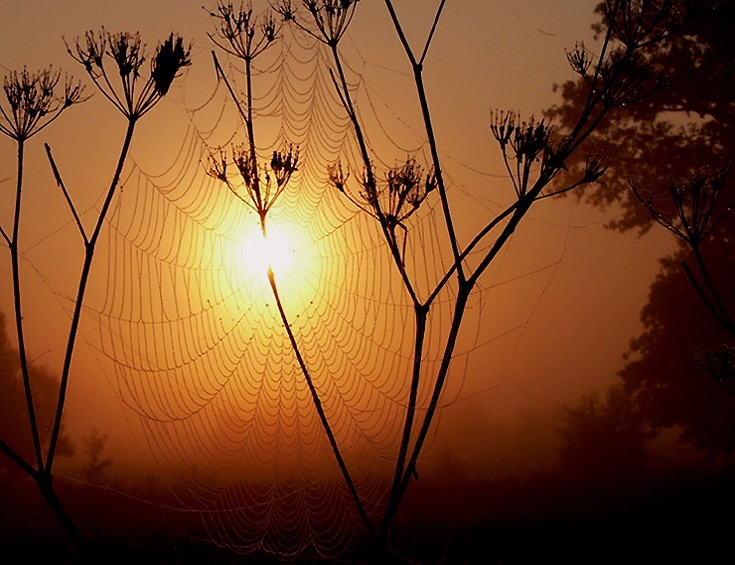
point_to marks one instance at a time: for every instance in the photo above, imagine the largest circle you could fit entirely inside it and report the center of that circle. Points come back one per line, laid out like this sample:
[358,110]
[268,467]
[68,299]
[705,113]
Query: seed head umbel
[241,33]
[169,59]
[127,53]
[34,101]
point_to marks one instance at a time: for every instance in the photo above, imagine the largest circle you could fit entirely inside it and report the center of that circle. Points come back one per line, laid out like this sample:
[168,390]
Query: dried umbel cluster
[240,33]
[618,75]
[406,187]
[533,155]
[720,363]
[624,76]
[127,54]
[638,23]
[261,192]
[34,100]
[331,18]
[691,213]
[692,210]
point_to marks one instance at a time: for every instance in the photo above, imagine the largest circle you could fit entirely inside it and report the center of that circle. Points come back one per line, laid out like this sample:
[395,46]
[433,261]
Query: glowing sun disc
[273,251]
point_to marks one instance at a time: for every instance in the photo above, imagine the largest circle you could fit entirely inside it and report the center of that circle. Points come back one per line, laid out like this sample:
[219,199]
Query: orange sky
[576,317]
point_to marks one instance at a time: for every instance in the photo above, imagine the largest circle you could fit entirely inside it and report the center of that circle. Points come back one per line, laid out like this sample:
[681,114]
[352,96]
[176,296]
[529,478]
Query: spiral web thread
[198,347]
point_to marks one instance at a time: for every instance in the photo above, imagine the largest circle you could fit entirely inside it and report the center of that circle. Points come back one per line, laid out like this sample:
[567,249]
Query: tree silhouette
[13,412]
[603,438]
[671,157]
[662,373]
[34,102]
[95,469]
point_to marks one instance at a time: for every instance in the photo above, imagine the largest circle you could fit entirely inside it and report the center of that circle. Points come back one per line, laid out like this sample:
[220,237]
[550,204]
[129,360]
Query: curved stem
[715,305]
[347,101]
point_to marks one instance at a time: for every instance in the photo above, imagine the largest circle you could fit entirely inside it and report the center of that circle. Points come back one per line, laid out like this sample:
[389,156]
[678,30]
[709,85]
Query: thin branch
[73,329]
[431,33]
[704,298]
[19,310]
[221,75]
[729,326]
[17,459]
[61,185]
[417,71]
[319,408]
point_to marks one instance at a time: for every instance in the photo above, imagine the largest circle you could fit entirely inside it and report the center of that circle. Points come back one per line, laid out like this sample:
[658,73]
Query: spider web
[200,352]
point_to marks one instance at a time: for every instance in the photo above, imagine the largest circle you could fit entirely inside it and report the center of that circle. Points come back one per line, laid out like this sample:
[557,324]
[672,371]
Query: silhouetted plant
[246,38]
[691,214]
[261,193]
[35,103]
[533,154]
[720,363]
[669,152]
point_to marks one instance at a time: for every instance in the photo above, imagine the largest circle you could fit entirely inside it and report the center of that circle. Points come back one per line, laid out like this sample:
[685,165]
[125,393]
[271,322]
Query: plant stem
[319,407]
[44,480]
[421,313]
[459,309]
[19,313]
[84,277]
[417,67]
[715,305]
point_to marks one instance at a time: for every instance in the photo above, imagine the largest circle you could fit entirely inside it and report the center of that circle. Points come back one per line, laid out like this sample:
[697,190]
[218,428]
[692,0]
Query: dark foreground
[680,516]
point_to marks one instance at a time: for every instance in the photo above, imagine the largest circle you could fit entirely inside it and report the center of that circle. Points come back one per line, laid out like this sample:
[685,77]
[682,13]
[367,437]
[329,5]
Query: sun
[294,257]
[272,251]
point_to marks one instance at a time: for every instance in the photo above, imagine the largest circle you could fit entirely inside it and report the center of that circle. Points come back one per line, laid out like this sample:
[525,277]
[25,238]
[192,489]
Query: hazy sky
[577,317]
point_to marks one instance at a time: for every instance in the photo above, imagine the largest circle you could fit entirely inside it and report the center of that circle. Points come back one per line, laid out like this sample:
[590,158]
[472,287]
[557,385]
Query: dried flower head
[169,59]
[246,163]
[580,60]
[408,186]
[330,18]
[126,51]
[34,101]
[284,165]
[503,126]
[720,363]
[337,177]
[260,192]
[217,166]
[596,165]
[692,210]
[530,139]
[242,34]
[639,23]
[626,77]
[128,55]
[522,145]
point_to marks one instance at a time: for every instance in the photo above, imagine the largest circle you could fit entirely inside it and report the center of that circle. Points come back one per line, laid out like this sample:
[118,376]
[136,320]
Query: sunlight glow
[274,251]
